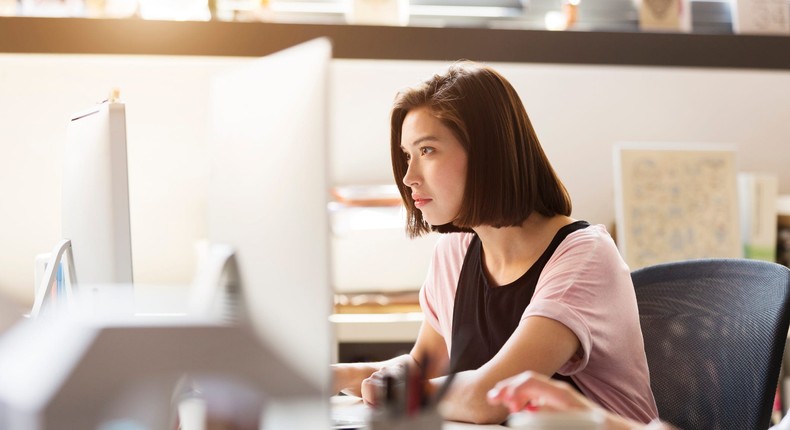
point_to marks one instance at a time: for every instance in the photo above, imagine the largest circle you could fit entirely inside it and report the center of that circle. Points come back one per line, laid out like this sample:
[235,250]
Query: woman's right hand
[374,386]
[364,379]
[347,378]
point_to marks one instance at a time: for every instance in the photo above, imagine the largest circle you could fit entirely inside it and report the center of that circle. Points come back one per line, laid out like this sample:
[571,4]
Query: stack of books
[783,236]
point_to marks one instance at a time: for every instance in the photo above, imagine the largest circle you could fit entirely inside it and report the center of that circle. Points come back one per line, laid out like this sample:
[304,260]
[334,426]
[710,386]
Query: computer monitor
[268,194]
[95,206]
[95,210]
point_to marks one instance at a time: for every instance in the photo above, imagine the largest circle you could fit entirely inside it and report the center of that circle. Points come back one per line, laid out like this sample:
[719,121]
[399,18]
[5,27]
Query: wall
[578,112]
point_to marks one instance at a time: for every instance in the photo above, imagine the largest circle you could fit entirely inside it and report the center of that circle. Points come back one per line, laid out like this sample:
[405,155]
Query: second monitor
[268,198]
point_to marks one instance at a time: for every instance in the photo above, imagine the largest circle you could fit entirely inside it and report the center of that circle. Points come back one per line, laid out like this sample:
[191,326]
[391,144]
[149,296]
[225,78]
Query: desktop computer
[268,195]
[95,210]
[267,216]
[97,244]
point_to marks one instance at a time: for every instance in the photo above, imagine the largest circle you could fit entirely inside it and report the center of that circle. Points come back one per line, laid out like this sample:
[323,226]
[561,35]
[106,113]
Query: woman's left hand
[530,390]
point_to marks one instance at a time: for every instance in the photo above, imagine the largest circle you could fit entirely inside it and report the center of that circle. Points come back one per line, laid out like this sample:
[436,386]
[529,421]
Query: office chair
[715,333]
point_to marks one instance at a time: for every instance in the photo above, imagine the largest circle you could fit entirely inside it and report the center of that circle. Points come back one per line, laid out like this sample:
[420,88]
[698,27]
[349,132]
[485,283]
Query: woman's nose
[411,178]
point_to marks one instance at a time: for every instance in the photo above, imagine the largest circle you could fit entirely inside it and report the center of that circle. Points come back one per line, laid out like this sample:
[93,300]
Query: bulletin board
[675,202]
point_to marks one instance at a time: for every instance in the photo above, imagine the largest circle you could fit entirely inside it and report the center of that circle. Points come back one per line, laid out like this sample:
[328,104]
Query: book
[783,235]
[758,194]
[760,17]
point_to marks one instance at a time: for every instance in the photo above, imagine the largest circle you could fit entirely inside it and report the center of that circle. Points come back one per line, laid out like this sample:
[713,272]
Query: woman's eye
[426,150]
[407,156]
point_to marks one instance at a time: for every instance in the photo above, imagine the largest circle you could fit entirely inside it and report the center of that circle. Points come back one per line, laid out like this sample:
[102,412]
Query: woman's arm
[539,344]
[362,379]
[347,377]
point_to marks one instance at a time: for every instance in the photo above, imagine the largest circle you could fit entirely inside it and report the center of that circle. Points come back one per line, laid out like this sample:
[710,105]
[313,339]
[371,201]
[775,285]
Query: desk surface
[347,406]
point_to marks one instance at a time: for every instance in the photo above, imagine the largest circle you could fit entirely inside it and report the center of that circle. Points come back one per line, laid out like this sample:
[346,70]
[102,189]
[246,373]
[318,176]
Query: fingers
[338,379]
[369,390]
[345,379]
[373,387]
[513,393]
[531,390]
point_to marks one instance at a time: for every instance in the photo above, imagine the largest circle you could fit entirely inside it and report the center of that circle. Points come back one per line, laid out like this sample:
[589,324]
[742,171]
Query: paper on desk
[349,409]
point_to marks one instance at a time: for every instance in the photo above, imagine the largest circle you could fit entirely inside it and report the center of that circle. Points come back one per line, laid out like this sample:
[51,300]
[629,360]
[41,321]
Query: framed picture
[760,17]
[675,202]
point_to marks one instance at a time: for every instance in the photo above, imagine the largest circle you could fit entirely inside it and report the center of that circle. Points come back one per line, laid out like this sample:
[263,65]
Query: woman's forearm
[348,377]
[466,401]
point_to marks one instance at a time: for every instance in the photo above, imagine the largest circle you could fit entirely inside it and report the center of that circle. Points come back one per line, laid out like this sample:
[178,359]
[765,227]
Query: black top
[485,317]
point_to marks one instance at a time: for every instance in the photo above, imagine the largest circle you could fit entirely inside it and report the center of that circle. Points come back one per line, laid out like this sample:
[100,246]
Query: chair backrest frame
[714,332]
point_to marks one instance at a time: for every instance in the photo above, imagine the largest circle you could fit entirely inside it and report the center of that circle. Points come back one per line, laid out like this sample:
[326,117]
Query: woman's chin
[436,222]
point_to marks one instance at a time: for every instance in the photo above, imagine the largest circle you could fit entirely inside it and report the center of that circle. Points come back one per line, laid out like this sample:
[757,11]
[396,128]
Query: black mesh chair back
[714,333]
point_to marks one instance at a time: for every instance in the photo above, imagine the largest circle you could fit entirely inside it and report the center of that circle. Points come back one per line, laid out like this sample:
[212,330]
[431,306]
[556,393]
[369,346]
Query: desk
[352,407]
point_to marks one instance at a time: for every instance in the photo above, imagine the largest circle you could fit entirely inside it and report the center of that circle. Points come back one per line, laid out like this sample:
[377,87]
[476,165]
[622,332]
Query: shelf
[140,37]
[361,328]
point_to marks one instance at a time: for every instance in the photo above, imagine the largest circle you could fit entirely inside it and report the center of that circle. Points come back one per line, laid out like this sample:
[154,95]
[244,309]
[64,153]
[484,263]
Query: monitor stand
[216,290]
[44,289]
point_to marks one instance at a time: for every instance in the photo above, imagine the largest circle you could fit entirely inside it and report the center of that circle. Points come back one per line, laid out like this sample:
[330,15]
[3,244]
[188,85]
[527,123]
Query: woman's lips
[420,202]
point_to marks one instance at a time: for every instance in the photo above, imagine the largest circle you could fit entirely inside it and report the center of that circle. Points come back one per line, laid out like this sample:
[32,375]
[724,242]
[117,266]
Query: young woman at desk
[516,284]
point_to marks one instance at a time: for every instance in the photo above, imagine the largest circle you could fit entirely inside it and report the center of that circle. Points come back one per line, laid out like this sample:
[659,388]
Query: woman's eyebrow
[422,139]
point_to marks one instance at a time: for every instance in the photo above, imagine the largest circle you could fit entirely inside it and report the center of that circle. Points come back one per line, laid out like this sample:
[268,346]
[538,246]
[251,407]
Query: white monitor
[268,198]
[97,244]
[95,208]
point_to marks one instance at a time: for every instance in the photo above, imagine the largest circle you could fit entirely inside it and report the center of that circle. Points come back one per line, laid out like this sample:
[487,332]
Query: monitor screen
[268,194]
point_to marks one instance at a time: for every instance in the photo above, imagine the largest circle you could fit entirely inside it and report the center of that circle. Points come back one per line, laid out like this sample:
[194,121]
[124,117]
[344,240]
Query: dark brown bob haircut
[508,174]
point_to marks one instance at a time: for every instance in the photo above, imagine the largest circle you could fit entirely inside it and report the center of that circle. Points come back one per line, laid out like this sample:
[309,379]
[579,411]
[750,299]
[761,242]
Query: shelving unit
[134,36]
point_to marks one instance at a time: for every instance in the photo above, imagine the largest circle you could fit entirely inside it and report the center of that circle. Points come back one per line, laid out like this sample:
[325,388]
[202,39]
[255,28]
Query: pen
[391,406]
[442,391]
[414,390]
[425,382]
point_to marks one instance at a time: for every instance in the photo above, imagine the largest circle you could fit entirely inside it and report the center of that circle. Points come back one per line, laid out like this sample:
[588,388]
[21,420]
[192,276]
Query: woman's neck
[508,252]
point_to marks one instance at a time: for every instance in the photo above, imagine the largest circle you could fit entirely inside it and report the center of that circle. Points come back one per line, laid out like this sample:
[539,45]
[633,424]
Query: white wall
[578,112]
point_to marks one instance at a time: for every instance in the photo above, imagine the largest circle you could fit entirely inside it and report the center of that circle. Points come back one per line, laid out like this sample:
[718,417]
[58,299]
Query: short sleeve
[580,287]
[437,294]
[428,297]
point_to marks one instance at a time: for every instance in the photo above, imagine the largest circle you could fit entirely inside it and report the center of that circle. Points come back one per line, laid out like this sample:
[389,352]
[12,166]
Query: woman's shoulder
[448,259]
[454,243]
[450,251]
[592,242]
[592,235]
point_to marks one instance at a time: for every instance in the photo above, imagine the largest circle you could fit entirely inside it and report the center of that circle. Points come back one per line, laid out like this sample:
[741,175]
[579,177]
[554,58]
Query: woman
[516,284]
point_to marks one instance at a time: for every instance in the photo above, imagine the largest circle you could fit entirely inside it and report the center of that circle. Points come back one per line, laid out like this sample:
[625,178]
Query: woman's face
[436,171]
